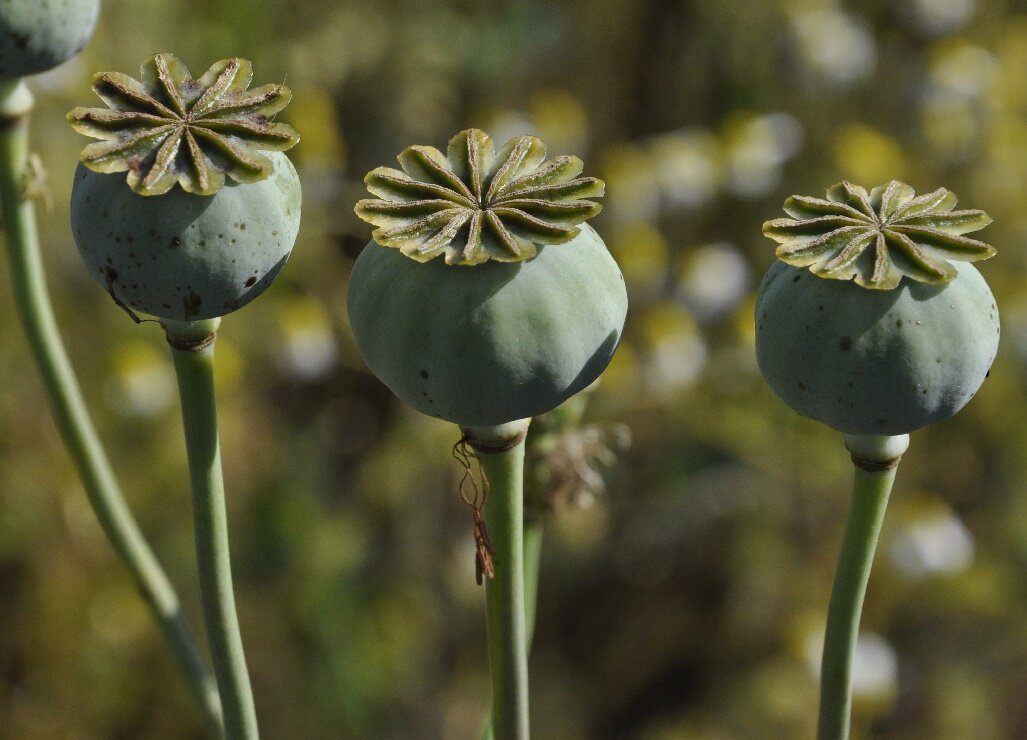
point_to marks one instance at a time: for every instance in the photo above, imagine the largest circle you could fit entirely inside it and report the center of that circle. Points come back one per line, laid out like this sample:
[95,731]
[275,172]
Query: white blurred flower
[308,349]
[142,382]
[875,667]
[309,353]
[965,71]
[688,167]
[678,360]
[937,543]
[937,17]
[714,279]
[837,47]
[676,352]
[756,149]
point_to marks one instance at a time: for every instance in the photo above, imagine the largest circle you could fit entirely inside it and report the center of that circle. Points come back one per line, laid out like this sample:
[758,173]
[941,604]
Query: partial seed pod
[862,358]
[38,35]
[525,309]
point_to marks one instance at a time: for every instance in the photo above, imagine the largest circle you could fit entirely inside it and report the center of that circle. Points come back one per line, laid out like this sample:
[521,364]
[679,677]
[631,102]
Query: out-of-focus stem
[532,563]
[69,409]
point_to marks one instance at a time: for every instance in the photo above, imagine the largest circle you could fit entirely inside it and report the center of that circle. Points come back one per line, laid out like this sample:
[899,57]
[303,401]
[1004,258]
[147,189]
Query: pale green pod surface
[183,256]
[37,35]
[881,362]
[488,344]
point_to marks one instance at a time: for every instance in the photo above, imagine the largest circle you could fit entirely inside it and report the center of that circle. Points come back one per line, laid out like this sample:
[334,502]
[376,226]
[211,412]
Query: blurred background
[691,520]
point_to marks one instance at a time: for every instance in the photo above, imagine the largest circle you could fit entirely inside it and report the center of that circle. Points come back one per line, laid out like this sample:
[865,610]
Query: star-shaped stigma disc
[168,127]
[474,204]
[877,238]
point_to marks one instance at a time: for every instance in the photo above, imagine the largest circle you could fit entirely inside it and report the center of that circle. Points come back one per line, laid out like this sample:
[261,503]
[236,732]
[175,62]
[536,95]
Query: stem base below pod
[875,362]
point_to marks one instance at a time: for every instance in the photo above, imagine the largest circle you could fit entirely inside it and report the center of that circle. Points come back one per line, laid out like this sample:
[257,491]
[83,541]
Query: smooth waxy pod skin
[37,35]
[183,256]
[880,362]
[484,345]
[889,329]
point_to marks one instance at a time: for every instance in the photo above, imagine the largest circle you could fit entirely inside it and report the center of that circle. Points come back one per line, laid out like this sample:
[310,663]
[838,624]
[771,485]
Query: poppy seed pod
[524,309]
[881,335]
[486,345]
[209,208]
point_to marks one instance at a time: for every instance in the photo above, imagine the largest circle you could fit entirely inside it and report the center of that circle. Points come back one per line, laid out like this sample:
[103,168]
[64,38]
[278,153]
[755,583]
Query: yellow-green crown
[474,204]
[877,238]
[168,127]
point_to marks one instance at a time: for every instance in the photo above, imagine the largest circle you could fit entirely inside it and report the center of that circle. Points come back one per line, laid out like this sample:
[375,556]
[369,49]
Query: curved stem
[69,409]
[501,450]
[192,347]
[876,460]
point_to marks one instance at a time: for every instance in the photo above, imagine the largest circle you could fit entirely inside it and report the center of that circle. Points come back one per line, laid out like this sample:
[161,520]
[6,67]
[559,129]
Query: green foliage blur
[685,576]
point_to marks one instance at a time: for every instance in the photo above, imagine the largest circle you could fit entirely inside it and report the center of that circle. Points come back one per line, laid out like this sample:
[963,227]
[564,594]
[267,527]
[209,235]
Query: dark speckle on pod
[875,373]
[187,274]
[492,343]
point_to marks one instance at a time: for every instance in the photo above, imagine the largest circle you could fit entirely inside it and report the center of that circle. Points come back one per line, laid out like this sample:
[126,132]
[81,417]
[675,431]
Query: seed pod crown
[168,128]
[877,238]
[474,204]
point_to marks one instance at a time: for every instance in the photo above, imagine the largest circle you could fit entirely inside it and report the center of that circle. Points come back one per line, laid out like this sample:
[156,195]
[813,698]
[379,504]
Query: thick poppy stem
[533,531]
[501,451]
[192,347]
[876,460]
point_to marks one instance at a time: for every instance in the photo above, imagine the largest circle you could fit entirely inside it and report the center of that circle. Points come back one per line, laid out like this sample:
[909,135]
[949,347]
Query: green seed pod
[37,35]
[214,244]
[184,256]
[905,343]
[875,362]
[525,310]
[486,345]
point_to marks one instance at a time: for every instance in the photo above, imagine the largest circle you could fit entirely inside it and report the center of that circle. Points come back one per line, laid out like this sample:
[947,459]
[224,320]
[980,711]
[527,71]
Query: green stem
[532,561]
[876,460]
[192,346]
[69,409]
[501,450]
